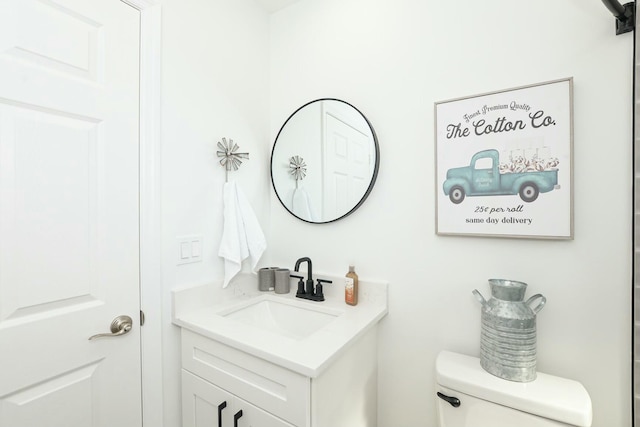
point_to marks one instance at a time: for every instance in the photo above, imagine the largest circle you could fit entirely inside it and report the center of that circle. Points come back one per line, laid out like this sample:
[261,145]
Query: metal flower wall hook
[230,156]
[297,168]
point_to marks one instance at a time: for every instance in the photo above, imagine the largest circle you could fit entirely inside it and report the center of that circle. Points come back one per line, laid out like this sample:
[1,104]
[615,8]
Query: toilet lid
[548,396]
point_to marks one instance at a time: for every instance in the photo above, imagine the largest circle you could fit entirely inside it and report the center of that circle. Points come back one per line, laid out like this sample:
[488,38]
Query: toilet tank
[488,401]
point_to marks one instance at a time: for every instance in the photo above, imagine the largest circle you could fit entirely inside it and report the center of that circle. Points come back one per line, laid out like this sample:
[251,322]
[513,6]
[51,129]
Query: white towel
[242,236]
[301,205]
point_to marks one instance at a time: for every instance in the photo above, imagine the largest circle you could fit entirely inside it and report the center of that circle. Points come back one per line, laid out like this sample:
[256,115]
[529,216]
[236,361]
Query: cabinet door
[272,388]
[203,404]
[256,417]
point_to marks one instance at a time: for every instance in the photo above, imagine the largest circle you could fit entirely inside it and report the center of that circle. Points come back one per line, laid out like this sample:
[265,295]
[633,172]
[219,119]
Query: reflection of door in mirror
[347,160]
[339,150]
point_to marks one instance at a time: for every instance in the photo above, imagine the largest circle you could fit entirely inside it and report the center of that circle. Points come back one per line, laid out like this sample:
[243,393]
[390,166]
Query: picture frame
[504,163]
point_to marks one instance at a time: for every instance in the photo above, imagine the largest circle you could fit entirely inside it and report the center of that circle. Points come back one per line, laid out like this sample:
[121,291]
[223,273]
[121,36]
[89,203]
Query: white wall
[214,85]
[393,59]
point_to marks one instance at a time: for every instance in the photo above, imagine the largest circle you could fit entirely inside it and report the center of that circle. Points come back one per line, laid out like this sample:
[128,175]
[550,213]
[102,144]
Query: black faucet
[309,287]
[308,291]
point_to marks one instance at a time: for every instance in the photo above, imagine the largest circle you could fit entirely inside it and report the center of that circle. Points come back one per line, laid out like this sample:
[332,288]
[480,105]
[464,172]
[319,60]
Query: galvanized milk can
[508,336]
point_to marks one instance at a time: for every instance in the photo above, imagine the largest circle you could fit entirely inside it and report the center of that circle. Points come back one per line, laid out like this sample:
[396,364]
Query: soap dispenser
[351,287]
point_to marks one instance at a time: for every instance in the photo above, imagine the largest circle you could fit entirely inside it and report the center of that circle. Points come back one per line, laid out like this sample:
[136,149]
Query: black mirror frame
[375,169]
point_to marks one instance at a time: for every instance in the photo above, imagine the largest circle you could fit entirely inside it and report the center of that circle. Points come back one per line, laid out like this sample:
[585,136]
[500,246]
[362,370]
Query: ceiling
[275,5]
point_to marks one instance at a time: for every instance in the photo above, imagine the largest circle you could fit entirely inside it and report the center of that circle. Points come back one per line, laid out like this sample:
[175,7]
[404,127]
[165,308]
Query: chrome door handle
[119,326]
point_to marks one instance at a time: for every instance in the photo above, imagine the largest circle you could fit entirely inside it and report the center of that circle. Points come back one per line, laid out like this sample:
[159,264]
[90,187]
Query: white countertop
[196,308]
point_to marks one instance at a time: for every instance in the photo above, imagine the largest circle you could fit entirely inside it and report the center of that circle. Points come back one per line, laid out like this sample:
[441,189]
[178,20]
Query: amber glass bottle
[351,287]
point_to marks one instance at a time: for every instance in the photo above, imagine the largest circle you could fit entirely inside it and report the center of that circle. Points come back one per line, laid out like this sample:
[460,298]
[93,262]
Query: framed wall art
[504,163]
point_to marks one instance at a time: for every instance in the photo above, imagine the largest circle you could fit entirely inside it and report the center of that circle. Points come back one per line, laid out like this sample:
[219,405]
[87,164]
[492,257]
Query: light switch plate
[189,249]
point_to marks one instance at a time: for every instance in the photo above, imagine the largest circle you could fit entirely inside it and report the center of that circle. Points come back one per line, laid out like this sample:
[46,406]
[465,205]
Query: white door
[347,166]
[69,250]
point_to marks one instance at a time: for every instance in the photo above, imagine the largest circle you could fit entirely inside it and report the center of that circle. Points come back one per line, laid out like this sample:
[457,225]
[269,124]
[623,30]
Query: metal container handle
[479,297]
[541,304]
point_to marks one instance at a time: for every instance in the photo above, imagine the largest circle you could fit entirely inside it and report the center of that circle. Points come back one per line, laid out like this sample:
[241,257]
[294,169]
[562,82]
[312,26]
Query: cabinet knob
[220,408]
[236,417]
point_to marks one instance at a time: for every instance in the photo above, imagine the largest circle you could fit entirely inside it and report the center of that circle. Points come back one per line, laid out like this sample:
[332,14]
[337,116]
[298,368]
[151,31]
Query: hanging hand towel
[301,203]
[242,236]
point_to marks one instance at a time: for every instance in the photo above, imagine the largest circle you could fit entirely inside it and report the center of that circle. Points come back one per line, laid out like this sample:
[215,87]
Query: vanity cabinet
[204,404]
[244,378]
[221,379]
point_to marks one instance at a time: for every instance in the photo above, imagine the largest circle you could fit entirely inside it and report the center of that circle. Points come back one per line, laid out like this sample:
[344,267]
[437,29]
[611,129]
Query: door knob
[119,326]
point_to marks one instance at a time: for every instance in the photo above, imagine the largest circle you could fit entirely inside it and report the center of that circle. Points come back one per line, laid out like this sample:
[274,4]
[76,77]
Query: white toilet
[468,396]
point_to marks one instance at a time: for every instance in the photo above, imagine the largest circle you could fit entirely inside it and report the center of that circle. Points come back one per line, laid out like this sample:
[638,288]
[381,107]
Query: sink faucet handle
[300,284]
[319,292]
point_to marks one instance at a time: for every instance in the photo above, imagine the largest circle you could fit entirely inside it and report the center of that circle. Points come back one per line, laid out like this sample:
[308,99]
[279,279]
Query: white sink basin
[302,336]
[292,319]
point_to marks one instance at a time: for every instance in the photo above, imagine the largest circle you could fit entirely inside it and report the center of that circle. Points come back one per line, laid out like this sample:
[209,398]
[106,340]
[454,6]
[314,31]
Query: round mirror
[324,161]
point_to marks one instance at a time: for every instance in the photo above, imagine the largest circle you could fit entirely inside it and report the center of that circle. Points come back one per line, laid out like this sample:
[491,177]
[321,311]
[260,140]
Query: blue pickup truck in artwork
[486,176]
